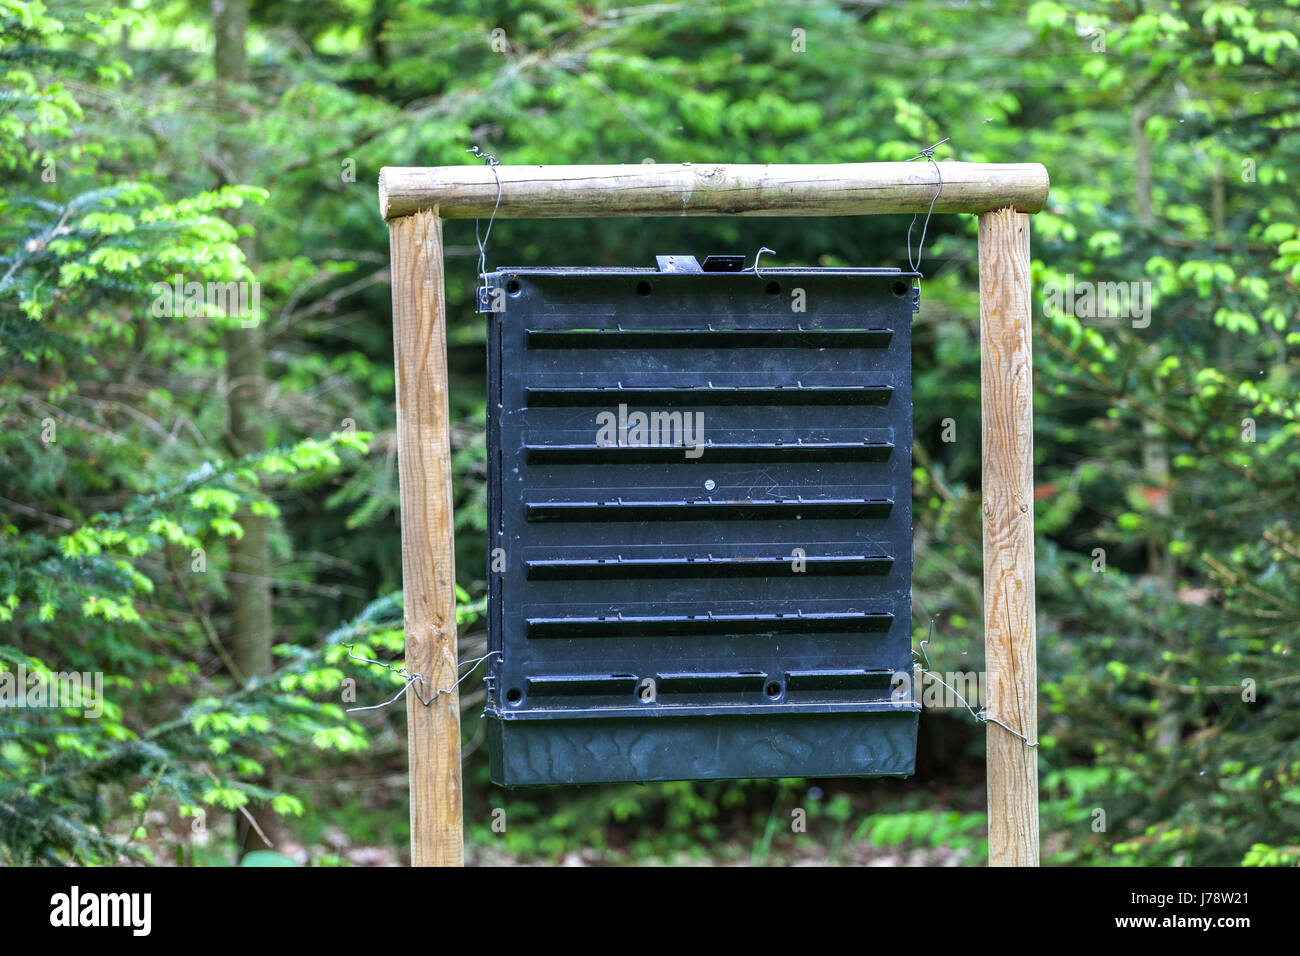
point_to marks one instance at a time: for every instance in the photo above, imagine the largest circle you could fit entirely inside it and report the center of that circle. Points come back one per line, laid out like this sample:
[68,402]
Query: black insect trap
[701,535]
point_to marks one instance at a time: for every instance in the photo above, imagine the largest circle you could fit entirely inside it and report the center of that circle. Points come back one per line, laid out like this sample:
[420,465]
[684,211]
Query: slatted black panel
[634,566]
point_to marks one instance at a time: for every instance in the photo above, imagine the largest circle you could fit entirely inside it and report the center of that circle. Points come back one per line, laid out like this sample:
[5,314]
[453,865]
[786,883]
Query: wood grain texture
[684,189]
[1007,406]
[428,557]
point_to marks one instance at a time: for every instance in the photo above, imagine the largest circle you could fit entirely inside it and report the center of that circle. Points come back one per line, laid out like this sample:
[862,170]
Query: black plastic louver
[720,589]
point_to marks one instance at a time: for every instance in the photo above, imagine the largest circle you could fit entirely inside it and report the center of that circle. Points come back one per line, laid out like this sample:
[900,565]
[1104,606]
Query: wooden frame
[415,200]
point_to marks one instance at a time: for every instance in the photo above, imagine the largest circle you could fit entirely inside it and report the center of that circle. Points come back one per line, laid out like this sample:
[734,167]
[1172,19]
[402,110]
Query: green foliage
[109,570]
[1168,698]
[961,832]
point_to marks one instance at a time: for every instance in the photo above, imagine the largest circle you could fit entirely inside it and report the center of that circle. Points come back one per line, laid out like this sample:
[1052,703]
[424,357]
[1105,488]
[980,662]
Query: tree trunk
[245,347]
[1155,453]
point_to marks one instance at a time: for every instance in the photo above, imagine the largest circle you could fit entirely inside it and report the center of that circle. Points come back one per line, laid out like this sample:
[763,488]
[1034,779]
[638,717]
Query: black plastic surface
[729,607]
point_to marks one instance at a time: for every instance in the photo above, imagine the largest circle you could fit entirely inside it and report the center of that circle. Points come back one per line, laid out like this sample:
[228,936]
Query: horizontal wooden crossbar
[706,189]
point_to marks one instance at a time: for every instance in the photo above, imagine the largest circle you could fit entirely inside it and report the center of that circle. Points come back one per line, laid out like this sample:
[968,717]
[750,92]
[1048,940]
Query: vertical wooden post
[428,557]
[1007,407]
